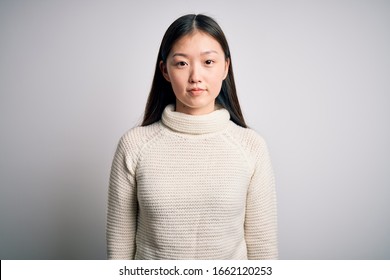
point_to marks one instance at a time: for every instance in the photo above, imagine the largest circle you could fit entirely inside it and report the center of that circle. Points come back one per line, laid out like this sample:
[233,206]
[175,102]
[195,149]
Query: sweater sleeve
[122,206]
[260,218]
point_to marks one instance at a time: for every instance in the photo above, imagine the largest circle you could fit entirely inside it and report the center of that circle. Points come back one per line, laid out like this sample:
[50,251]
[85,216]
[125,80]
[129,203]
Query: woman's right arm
[122,206]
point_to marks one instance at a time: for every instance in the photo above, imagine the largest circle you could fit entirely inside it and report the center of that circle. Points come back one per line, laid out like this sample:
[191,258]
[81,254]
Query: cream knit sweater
[191,187]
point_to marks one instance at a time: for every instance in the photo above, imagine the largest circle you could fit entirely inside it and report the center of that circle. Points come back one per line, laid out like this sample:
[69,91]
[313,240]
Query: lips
[196,91]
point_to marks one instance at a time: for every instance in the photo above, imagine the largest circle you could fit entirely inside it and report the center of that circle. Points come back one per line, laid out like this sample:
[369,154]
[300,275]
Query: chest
[195,174]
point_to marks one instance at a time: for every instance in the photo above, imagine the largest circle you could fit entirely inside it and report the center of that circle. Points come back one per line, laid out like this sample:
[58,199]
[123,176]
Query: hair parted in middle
[161,93]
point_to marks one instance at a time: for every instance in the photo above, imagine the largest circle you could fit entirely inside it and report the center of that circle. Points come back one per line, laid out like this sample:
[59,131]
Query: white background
[312,78]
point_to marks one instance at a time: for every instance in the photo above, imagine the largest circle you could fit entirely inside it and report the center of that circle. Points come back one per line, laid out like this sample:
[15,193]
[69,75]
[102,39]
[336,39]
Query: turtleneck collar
[195,124]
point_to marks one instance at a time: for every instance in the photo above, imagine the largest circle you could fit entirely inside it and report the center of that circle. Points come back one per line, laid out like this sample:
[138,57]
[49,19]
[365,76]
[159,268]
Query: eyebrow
[202,53]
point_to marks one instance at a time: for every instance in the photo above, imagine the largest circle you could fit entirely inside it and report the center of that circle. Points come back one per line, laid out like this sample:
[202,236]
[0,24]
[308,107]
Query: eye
[209,62]
[181,64]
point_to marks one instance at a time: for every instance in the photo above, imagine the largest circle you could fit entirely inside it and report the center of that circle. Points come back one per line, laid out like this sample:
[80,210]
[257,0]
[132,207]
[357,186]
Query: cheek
[217,78]
[176,77]
[219,74]
[176,82]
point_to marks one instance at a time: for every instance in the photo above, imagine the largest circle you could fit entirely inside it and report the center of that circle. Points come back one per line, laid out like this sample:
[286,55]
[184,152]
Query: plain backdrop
[312,78]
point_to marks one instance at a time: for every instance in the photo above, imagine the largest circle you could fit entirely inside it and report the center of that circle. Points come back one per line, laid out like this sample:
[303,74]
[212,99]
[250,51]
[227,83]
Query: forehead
[197,42]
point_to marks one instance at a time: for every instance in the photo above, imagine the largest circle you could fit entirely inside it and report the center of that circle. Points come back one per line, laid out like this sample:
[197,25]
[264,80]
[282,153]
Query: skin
[196,67]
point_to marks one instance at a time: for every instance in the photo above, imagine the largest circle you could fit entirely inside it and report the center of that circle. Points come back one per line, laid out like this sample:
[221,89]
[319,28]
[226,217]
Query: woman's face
[196,67]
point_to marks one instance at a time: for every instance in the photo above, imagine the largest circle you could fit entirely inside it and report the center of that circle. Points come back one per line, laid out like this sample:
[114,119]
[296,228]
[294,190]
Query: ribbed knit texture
[192,187]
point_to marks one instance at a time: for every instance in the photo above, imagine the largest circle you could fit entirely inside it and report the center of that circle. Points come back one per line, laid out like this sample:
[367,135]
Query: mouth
[196,91]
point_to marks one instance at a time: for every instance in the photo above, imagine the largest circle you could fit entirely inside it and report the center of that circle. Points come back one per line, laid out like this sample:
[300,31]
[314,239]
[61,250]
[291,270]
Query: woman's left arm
[261,213]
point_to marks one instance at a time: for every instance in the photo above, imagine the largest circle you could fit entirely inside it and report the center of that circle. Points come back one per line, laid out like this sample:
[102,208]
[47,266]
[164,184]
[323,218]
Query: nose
[195,74]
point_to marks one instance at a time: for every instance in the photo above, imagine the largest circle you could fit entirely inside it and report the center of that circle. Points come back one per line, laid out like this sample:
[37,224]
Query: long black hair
[161,93]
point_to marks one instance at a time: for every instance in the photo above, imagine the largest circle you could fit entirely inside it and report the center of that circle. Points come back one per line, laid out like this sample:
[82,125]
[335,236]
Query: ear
[164,71]
[227,64]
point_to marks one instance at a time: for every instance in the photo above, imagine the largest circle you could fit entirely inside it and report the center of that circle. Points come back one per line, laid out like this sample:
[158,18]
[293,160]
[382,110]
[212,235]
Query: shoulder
[247,137]
[142,132]
[136,138]
[251,143]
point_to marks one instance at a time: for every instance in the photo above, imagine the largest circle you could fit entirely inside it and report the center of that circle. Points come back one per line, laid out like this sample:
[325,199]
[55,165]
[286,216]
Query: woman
[192,182]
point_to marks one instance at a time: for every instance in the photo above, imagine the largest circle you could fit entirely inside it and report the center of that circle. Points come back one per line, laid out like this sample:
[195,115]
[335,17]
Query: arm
[122,207]
[260,217]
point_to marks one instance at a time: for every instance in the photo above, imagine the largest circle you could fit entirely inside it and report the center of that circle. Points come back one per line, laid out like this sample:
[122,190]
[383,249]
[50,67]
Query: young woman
[192,182]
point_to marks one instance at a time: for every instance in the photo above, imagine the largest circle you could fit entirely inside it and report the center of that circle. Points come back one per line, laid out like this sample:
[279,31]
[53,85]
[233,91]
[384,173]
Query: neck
[182,108]
[213,122]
